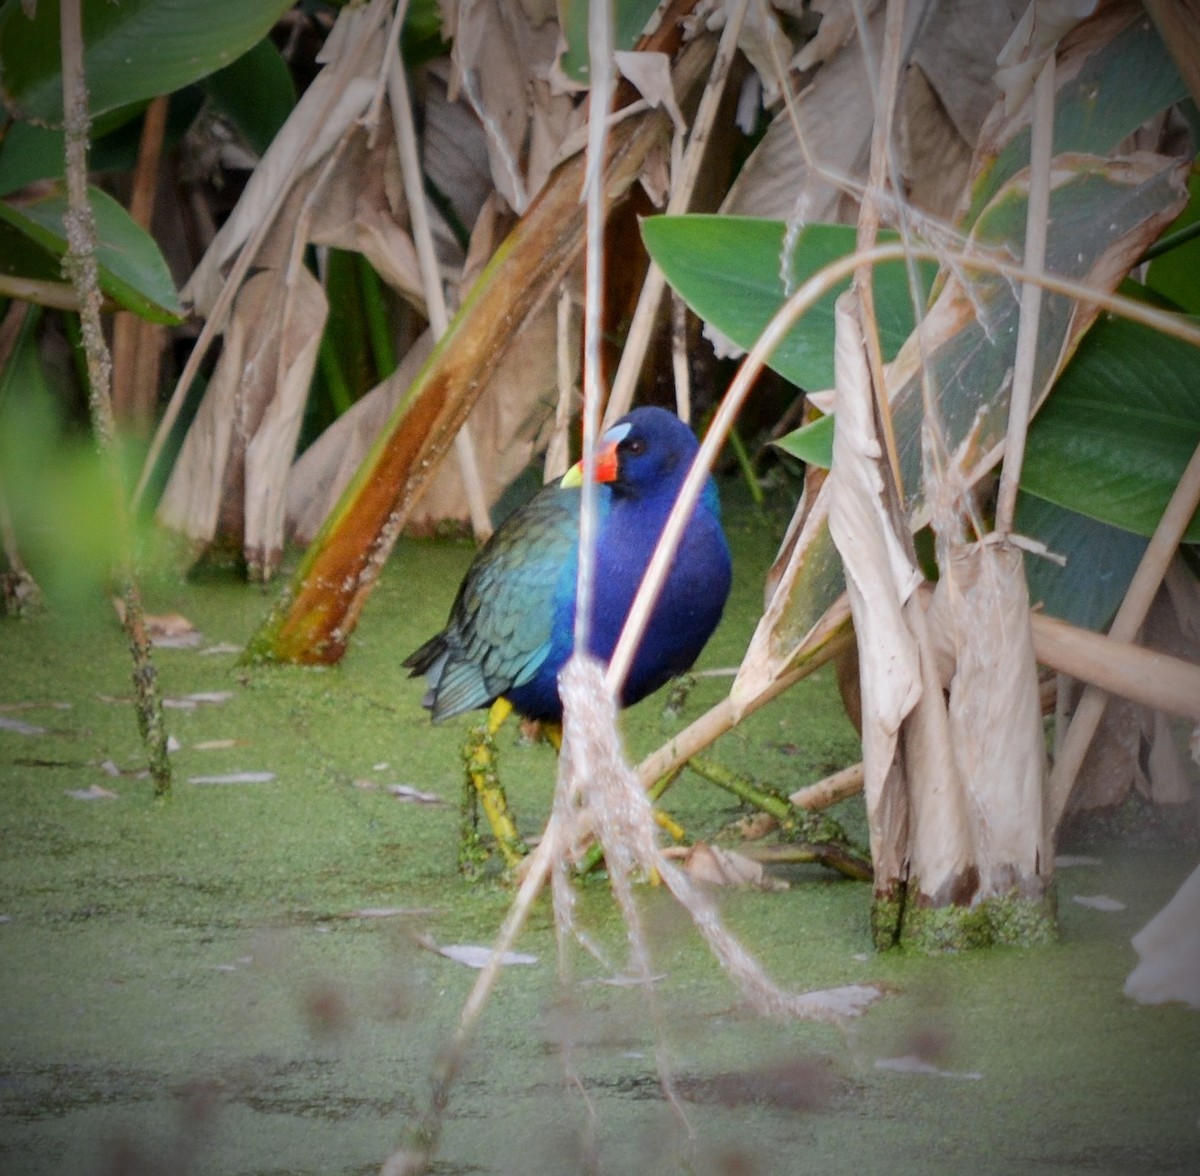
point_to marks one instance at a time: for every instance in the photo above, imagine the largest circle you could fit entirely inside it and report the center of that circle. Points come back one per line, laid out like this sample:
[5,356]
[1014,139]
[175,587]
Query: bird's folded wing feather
[501,626]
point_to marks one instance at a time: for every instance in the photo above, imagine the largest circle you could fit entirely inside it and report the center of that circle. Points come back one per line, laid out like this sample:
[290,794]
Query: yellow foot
[483,789]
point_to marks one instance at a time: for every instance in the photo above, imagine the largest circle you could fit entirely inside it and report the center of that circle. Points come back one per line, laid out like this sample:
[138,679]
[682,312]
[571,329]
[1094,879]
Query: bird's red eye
[635,445]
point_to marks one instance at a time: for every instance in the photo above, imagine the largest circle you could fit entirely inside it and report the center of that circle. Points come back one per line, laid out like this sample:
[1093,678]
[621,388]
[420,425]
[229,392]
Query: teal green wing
[501,626]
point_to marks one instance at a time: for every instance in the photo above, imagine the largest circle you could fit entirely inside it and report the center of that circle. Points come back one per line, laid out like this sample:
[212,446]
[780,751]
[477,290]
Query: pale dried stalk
[602,75]
[838,786]
[882,165]
[633,354]
[80,264]
[1146,676]
[1127,622]
[431,281]
[1037,216]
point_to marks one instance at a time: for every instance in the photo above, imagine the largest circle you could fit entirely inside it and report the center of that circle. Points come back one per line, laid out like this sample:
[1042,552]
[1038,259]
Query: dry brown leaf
[168,630]
[880,580]
[789,181]
[232,468]
[995,715]
[331,105]
[722,867]
[497,49]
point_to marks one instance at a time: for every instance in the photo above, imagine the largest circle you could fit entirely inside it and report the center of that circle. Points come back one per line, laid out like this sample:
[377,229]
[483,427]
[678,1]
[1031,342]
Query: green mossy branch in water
[814,837]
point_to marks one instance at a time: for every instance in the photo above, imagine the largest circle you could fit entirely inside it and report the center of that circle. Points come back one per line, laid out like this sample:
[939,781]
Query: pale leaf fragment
[95,792]
[197,698]
[832,1004]
[1169,951]
[912,1064]
[476,956]
[723,867]
[234,778]
[406,792]
[166,630]
[20,727]
[1099,902]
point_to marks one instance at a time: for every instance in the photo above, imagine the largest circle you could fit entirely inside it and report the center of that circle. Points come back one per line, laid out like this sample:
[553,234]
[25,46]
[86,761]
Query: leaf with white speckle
[1099,902]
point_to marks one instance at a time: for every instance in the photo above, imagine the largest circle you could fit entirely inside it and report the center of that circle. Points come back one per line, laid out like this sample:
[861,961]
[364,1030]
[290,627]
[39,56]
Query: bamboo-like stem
[1041,151]
[1129,618]
[744,789]
[838,786]
[883,96]
[81,266]
[1117,666]
[427,263]
[633,354]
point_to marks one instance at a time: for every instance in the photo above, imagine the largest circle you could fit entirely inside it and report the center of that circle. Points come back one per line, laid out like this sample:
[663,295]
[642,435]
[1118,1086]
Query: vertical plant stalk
[682,185]
[137,343]
[422,234]
[80,266]
[1041,150]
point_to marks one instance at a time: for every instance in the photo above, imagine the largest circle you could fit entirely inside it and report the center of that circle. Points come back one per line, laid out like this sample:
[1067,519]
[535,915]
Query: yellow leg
[483,786]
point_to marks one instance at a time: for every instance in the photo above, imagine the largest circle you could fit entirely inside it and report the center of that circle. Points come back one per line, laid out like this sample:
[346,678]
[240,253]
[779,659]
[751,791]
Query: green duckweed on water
[237,980]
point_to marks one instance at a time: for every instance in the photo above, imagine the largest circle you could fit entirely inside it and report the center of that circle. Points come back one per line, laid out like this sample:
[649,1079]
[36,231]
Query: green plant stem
[746,790]
[335,378]
[379,334]
[746,466]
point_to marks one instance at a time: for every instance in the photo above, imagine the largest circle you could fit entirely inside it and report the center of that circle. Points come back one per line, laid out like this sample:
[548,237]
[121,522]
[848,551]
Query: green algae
[233,980]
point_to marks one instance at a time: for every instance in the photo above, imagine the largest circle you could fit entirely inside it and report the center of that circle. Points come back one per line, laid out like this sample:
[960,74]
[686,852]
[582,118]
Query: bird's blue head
[648,451]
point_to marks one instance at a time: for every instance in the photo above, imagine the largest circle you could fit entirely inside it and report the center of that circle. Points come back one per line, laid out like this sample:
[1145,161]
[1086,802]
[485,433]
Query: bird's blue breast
[688,609]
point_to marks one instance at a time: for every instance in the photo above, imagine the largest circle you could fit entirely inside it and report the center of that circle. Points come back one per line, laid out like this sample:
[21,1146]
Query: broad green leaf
[1112,440]
[30,152]
[256,93]
[629,19]
[730,271]
[134,49]
[1101,560]
[812,443]
[1119,86]
[132,270]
